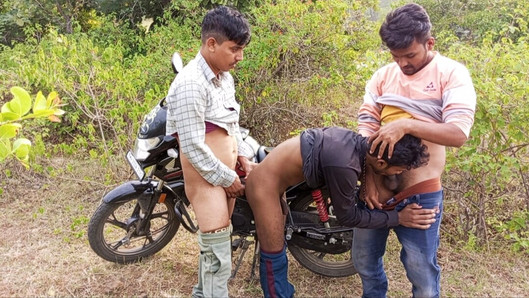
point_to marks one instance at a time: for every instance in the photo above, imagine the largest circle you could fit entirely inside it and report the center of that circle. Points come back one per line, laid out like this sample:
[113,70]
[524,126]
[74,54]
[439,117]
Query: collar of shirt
[208,73]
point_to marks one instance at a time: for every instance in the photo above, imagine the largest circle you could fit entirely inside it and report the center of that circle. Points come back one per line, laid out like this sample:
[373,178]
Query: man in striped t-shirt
[432,97]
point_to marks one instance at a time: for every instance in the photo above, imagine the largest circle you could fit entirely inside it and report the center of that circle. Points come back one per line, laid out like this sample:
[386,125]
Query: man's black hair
[408,151]
[404,25]
[225,23]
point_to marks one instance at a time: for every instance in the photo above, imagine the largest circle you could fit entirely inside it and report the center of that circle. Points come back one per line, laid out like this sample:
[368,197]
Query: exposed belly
[223,146]
[433,169]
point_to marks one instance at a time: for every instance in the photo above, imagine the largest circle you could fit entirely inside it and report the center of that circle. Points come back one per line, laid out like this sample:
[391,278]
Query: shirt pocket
[229,101]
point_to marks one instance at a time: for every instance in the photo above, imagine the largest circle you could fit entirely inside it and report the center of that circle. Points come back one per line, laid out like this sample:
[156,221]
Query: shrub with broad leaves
[21,108]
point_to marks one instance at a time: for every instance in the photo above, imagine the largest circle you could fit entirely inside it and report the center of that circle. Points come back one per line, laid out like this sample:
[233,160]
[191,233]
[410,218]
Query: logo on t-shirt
[430,88]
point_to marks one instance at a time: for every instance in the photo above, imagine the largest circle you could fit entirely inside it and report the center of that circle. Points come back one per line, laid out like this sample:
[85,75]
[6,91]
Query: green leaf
[8,131]
[53,99]
[5,149]
[40,103]
[8,115]
[43,113]
[21,103]
[21,148]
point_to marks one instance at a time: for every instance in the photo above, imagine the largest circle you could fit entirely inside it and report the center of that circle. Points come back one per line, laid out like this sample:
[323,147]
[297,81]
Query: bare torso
[210,203]
[433,169]
[265,185]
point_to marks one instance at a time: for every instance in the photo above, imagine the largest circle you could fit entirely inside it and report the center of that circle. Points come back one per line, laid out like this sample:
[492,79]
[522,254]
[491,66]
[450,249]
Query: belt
[426,186]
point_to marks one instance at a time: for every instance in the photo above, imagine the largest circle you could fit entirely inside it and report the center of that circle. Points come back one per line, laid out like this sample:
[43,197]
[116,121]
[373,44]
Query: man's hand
[388,135]
[236,189]
[246,165]
[413,216]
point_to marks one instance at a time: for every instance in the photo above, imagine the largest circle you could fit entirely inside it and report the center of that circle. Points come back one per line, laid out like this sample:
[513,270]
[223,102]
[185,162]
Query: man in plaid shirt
[203,112]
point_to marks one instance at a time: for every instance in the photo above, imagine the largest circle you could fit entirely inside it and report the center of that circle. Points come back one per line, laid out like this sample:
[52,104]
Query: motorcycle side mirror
[177,63]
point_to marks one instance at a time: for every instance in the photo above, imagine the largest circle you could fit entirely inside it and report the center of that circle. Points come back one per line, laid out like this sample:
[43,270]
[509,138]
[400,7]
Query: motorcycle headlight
[142,147]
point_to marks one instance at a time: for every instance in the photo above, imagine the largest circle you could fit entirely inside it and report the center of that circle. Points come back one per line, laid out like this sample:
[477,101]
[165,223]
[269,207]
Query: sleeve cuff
[393,219]
[229,178]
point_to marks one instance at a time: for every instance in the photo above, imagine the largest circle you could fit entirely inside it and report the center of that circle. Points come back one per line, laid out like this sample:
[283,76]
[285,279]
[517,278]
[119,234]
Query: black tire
[331,265]
[113,240]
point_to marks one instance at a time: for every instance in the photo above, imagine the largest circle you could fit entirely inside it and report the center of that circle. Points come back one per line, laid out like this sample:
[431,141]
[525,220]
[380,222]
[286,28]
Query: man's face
[226,56]
[415,57]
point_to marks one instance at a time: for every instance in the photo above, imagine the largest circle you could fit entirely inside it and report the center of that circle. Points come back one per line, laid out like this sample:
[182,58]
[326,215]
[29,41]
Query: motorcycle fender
[130,190]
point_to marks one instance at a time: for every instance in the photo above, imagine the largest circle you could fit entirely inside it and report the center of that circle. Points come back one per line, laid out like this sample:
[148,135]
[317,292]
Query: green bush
[474,21]
[307,65]
[493,165]
[20,109]
[302,61]
[98,84]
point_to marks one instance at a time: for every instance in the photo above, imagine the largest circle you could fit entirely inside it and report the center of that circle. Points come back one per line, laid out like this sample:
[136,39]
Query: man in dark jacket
[335,157]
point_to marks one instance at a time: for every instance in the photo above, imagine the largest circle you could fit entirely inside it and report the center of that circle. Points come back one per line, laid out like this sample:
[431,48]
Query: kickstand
[254,261]
[244,245]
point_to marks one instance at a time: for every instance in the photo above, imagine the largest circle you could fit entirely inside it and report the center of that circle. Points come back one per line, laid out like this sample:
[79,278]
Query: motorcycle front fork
[147,205]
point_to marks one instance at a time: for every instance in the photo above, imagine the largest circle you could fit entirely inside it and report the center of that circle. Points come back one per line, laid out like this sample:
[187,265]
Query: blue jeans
[418,253]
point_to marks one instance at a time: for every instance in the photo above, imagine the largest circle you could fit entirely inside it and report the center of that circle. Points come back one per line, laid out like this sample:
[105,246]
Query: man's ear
[211,43]
[430,43]
[381,164]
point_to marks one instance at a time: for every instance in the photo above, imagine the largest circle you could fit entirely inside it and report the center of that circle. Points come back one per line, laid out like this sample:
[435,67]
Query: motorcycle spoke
[164,215]
[149,240]
[155,232]
[117,245]
[114,221]
[139,242]
[121,233]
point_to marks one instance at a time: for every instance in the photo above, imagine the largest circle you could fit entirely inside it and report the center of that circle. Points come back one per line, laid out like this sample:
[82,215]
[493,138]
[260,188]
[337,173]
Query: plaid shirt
[196,96]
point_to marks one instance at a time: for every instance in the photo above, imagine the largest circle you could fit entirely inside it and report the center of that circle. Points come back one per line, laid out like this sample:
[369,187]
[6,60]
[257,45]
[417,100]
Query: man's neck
[429,57]
[207,56]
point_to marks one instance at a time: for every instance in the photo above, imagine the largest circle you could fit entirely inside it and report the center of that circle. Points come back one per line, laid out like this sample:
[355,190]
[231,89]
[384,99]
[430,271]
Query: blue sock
[273,274]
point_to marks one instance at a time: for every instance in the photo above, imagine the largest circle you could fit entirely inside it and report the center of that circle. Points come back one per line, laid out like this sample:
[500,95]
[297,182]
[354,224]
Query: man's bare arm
[387,136]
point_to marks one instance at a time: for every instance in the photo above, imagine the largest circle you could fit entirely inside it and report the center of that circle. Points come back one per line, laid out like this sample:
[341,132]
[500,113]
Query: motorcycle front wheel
[326,264]
[114,235]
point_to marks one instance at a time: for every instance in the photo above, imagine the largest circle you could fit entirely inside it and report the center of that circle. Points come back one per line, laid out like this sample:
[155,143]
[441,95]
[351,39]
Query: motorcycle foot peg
[235,244]
[288,235]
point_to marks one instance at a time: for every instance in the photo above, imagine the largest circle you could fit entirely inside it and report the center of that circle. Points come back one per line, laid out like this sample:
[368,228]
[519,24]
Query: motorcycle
[140,217]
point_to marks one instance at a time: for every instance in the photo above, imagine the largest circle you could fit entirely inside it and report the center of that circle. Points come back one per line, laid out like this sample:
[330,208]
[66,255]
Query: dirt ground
[44,251]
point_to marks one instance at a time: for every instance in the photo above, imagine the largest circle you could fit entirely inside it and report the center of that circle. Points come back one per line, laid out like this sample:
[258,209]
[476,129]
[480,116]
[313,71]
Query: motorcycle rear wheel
[330,265]
[112,231]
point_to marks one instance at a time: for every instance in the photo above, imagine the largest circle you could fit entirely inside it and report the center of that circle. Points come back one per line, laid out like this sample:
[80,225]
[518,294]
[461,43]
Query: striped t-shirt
[441,92]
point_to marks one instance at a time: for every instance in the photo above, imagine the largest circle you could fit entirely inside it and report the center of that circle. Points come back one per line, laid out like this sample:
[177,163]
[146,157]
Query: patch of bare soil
[44,250]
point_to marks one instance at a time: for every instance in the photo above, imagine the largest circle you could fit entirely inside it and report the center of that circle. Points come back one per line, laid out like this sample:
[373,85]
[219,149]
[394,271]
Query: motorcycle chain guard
[307,235]
[304,240]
